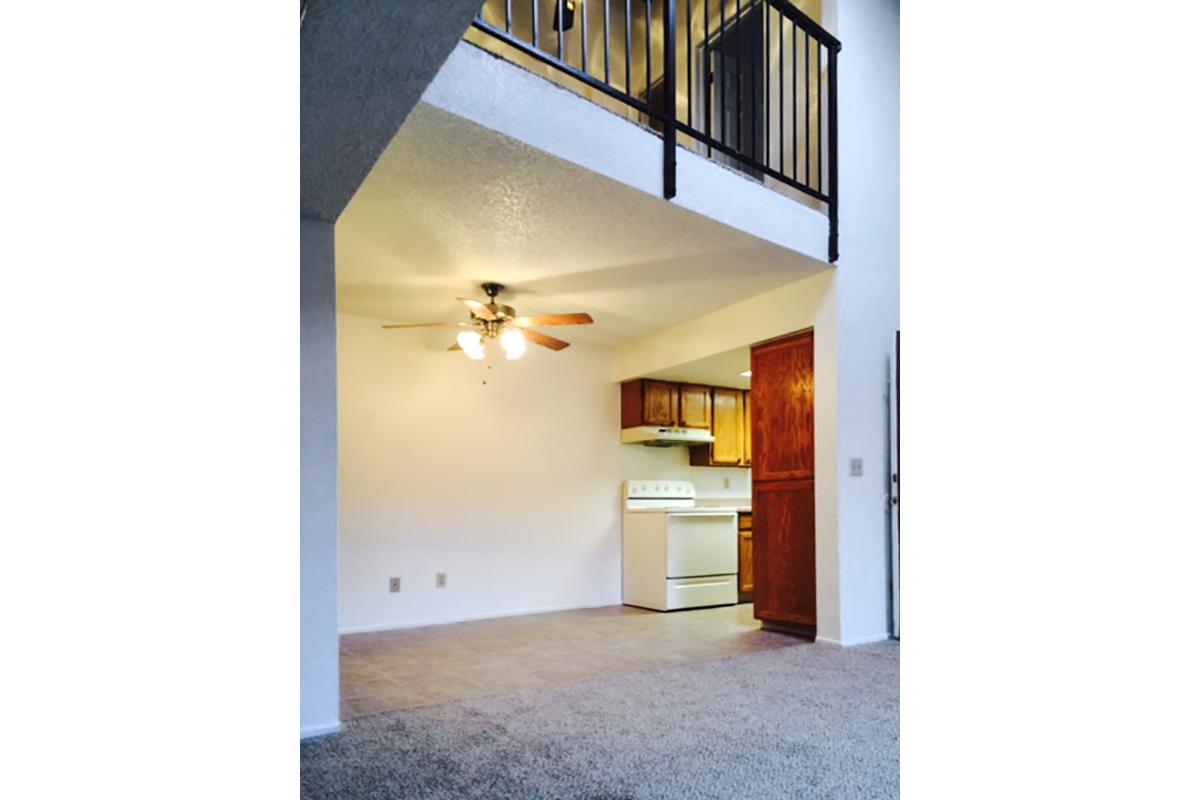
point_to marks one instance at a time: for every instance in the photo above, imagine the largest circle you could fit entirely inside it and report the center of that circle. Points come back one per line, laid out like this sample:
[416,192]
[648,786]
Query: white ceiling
[451,204]
[722,369]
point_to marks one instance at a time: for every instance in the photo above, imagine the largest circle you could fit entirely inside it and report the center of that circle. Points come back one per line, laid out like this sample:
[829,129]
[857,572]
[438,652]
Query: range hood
[654,436]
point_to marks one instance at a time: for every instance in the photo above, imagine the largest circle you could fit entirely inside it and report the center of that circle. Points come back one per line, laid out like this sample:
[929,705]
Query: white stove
[675,554]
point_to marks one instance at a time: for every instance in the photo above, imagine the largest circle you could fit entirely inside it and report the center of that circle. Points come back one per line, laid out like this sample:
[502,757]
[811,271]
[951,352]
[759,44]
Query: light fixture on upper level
[492,320]
[568,15]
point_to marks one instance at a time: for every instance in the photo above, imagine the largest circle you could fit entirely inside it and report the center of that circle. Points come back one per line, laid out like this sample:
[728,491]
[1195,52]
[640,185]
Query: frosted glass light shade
[513,342]
[471,343]
[470,340]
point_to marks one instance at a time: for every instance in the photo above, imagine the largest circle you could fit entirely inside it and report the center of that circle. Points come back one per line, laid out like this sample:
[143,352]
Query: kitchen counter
[742,504]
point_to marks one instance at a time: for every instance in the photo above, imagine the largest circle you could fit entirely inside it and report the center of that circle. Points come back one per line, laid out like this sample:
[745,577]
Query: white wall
[511,488]
[318,481]
[868,277]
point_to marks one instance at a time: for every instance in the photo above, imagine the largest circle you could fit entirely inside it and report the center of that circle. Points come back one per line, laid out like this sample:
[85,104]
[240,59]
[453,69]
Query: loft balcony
[748,84]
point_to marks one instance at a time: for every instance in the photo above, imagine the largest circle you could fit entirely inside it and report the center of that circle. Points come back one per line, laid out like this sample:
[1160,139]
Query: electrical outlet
[726,480]
[441,580]
[393,584]
[856,467]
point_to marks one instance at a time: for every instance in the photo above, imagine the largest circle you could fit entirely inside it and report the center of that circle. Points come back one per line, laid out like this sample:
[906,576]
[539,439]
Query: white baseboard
[872,639]
[320,730]
[394,626]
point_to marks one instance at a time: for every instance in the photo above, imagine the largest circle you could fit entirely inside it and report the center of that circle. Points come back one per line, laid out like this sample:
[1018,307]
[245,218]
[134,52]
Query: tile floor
[420,666]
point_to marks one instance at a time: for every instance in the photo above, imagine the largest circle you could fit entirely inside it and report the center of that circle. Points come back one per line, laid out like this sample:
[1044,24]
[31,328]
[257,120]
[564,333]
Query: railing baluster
[558,23]
[724,45]
[793,82]
[649,57]
[753,91]
[508,16]
[737,58]
[534,4]
[820,131]
[628,48]
[583,34]
[781,165]
[833,159]
[807,106]
[688,56]
[606,76]
[766,84]
[669,40]
[708,90]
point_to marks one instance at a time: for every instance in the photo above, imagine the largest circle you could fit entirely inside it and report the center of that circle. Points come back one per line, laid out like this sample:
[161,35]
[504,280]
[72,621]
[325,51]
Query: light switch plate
[856,467]
[440,582]
[393,584]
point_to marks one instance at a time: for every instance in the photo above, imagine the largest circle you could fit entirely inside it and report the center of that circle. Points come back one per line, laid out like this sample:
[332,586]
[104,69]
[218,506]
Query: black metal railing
[749,83]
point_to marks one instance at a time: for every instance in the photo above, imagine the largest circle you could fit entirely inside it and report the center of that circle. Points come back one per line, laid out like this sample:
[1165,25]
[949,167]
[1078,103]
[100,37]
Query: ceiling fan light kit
[513,342]
[471,343]
[492,320]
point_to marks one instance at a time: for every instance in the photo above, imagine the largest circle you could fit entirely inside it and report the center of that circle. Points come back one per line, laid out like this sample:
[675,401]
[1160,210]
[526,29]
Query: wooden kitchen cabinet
[647,402]
[695,406]
[728,429]
[784,490]
[785,558]
[746,428]
[745,559]
[660,403]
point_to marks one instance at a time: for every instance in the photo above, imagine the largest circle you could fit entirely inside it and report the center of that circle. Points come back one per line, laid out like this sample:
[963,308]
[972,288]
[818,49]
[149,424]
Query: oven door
[701,543]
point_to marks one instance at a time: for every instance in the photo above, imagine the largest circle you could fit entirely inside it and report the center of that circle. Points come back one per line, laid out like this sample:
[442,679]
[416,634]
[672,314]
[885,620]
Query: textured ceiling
[363,66]
[451,204]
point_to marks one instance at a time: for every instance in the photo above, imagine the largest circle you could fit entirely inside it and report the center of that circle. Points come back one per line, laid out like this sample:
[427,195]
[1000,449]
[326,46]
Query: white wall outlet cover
[856,466]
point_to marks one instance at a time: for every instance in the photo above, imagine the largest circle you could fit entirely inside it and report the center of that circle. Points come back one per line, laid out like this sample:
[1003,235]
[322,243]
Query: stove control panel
[659,490]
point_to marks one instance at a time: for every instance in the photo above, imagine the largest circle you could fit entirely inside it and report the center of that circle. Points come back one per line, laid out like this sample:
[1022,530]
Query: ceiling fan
[492,320]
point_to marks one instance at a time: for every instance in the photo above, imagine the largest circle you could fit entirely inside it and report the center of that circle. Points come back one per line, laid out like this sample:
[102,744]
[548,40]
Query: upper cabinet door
[747,427]
[782,402]
[695,406]
[660,403]
[727,426]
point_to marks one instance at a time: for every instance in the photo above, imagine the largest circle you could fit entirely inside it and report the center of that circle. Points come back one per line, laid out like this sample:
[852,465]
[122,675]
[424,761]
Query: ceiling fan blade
[427,325]
[477,308]
[555,319]
[546,341]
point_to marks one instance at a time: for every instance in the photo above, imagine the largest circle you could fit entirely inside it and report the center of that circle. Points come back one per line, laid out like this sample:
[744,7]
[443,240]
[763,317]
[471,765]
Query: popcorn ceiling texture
[363,66]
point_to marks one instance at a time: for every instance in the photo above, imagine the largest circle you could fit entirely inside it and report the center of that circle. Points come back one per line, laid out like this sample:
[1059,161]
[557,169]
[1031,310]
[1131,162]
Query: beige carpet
[815,721]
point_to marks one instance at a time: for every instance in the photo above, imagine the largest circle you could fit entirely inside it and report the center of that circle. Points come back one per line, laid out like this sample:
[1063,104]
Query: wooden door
[782,403]
[660,403]
[785,559]
[727,426]
[746,428]
[784,492]
[695,406]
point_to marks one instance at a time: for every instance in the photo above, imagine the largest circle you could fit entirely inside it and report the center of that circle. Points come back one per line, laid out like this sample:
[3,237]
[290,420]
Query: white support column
[868,313]
[318,481]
